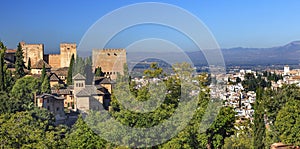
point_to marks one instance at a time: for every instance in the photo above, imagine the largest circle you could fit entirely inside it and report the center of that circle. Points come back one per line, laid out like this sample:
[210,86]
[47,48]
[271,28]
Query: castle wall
[54,60]
[33,51]
[110,60]
[66,51]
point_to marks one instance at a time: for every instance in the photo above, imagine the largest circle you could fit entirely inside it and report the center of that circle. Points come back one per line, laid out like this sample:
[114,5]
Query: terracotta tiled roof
[61,71]
[10,51]
[39,65]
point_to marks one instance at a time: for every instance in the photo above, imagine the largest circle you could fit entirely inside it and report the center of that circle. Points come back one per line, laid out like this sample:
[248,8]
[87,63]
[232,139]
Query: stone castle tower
[63,59]
[33,51]
[111,61]
[66,51]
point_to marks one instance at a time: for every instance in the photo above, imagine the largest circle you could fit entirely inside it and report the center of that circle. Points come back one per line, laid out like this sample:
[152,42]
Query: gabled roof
[39,65]
[89,90]
[54,77]
[61,71]
[78,77]
[105,81]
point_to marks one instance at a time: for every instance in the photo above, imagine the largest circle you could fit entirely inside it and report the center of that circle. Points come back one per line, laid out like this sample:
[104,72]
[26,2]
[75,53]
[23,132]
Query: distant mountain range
[287,54]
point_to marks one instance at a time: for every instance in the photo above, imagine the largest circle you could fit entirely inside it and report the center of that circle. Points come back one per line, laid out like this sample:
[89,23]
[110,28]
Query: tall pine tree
[19,63]
[259,128]
[70,70]
[2,73]
[43,75]
[46,86]
[29,64]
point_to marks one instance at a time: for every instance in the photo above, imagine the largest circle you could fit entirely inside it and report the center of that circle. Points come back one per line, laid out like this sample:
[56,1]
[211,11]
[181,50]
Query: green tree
[45,88]
[70,71]
[288,123]
[221,128]
[31,129]
[154,71]
[81,136]
[2,72]
[259,127]
[19,63]
[274,100]
[43,75]
[242,138]
[24,89]
[29,64]
[7,104]
[78,66]
[8,79]
[98,72]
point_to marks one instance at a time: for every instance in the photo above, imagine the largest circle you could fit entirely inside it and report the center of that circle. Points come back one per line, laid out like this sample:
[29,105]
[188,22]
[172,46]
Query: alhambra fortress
[81,96]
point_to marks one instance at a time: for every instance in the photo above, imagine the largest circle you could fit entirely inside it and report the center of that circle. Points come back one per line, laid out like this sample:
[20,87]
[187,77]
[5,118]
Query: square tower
[111,61]
[66,51]
[34,52]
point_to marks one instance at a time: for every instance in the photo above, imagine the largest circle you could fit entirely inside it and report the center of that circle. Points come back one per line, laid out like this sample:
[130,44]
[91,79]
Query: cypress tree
[70,70]
[46,86]
[98,72]
[8,79]
[43,75]
[2,73]
[29,64]
[259,124]
[19,63]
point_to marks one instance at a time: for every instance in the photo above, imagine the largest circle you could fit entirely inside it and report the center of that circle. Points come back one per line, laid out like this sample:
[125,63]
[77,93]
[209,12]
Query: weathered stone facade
[63,59]
[111,61]
[66,51]
[54,60]
[33,51]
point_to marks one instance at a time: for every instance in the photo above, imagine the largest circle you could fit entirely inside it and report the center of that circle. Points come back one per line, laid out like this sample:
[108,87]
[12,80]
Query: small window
[68,48]
[108,54]
[48,107]
[57,109]
[47,100]
[115,54]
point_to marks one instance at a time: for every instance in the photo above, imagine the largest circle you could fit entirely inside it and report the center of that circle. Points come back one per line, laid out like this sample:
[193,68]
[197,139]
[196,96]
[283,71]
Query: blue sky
[245,23]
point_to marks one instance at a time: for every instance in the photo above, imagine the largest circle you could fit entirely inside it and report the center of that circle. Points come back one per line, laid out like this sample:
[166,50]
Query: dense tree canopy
[288,123]
[24,89]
